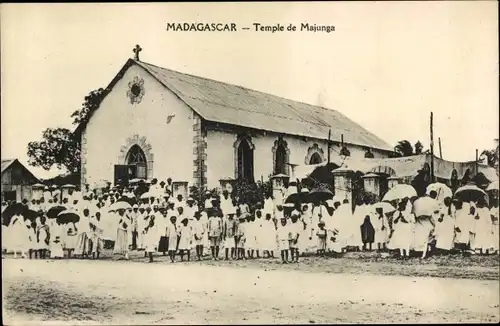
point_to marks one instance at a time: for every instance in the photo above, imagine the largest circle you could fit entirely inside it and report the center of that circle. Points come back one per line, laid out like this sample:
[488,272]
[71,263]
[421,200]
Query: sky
[386,66]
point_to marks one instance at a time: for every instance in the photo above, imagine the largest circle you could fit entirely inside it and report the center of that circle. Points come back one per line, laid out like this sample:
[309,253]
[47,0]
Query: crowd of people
[157,222]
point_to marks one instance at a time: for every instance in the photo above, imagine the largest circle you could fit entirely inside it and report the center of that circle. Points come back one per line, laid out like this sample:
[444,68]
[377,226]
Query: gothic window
[315,159]
[281,155]
[244,158]
[136,159]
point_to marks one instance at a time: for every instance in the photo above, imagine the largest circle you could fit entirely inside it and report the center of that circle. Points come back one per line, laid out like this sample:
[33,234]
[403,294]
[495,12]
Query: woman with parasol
[445,228]
[463,225]
[402,223]
[424,208]
[483,229]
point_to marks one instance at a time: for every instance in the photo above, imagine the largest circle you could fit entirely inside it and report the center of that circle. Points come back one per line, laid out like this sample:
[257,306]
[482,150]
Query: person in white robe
[463,225]
[43,238]
[445,228]
[483,230]
[198,234]
[381,228]
[403,230]
[269,206]
[122,234]
[17,236]
[56,245]
[31,235]
[268,245]
[82,245]
[151,234]
[185,239]
[495,225]
[96,235]
[190,209]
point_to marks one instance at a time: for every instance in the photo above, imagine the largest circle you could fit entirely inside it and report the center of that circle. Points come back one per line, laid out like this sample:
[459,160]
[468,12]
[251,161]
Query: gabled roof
[231,104]
[9,162]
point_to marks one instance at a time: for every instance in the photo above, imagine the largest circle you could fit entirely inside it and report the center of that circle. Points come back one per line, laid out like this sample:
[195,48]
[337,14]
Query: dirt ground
[359,287]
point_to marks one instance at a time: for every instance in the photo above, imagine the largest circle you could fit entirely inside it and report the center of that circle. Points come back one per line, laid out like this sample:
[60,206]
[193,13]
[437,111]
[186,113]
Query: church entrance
[137,163]
[245,161]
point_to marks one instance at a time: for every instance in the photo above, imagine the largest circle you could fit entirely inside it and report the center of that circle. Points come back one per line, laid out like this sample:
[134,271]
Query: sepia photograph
[250,163]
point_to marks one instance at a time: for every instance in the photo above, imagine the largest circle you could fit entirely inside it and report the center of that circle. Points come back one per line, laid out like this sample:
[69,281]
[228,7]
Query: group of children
[226,229]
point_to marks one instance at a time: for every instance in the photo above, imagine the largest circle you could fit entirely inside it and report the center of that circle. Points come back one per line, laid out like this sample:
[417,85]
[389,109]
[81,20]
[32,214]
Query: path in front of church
[120,292]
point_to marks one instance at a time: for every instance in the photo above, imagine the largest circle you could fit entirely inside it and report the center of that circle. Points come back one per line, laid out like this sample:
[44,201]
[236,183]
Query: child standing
[172,234]
[229,236]
[186,236]
[240,237]
[56,248]
[215,233]
[43,238]
[198,234]
[321,234]
[283,241]
[294,232]
[151,234]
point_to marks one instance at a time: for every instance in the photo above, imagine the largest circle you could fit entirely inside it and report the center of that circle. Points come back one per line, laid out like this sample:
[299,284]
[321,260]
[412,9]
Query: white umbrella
[386,207]
[441,189]
[148,194]
[400,191]
[68,186]
[425,206]
[493,186]
[120,205]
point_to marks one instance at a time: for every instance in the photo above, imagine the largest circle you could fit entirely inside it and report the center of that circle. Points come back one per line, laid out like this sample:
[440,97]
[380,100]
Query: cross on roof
[136,51]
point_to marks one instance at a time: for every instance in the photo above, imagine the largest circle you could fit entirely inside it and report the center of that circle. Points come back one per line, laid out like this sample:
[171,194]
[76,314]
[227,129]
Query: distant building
[17,181]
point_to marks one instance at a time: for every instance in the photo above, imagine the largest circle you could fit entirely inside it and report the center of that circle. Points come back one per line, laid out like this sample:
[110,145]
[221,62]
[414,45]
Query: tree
[419,148]
[492,155]
[404,148]
[58,146]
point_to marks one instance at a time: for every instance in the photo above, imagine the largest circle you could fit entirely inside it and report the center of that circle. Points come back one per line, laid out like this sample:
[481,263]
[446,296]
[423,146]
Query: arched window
[136,159]
[245,161]
[281,156]
[315,159]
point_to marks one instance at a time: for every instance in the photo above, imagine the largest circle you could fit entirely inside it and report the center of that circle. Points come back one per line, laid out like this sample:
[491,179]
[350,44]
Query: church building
[159,123]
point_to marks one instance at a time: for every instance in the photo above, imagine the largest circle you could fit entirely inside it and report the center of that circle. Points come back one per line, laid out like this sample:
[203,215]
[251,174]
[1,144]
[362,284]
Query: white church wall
[221,153]
[112,128]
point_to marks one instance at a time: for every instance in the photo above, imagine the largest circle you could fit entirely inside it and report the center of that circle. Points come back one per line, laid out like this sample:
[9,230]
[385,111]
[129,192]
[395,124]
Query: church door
[245,162]
[136,160]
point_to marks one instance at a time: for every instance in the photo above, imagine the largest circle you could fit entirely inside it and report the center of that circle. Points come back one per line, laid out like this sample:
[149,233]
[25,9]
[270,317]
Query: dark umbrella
[130,200]
[54,211]
[10,211]
[30,214]
[320,194]
[68,217]
[298,197]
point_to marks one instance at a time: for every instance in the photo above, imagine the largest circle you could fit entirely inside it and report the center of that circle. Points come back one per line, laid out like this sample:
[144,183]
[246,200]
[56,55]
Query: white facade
[118,124]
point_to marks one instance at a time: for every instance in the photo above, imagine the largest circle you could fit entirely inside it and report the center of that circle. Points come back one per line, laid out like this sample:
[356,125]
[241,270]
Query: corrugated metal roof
[225,103]
[6,164]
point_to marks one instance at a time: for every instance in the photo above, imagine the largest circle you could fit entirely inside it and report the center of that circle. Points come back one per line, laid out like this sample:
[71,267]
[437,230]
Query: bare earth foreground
[121,292]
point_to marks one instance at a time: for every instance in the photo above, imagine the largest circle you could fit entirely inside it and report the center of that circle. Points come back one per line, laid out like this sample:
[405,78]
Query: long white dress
[483,230]
[268,235]
[463,221]
[186,237]
[151,236]
[445,232]
[17,239]
[56,244]
[381,227]
[403,232]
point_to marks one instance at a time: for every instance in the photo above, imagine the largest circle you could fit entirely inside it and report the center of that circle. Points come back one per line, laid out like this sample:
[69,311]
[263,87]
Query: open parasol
[148,194]
[425,206]
[400,191]
[471,193]
[54,211]
[30,214]
[385,206]
[68,217]
[135,181]
[300,197]
[10,211]
[441,189]
[320,194]
[38,186]
[131,201]
[493,186]
[69,186]
[120,205]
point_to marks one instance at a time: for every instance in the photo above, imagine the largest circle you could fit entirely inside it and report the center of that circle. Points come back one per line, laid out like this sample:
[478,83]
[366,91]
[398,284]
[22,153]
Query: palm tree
[404,148]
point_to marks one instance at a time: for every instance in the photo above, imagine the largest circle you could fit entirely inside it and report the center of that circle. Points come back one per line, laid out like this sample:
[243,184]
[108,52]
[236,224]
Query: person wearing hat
[190,208]
[179,201]
[46,193]
[208,199]
[122,234]
[172,232]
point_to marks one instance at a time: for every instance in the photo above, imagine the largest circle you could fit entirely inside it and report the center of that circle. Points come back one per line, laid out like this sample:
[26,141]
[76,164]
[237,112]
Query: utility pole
[440,151]
[432,148]
[328,145]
